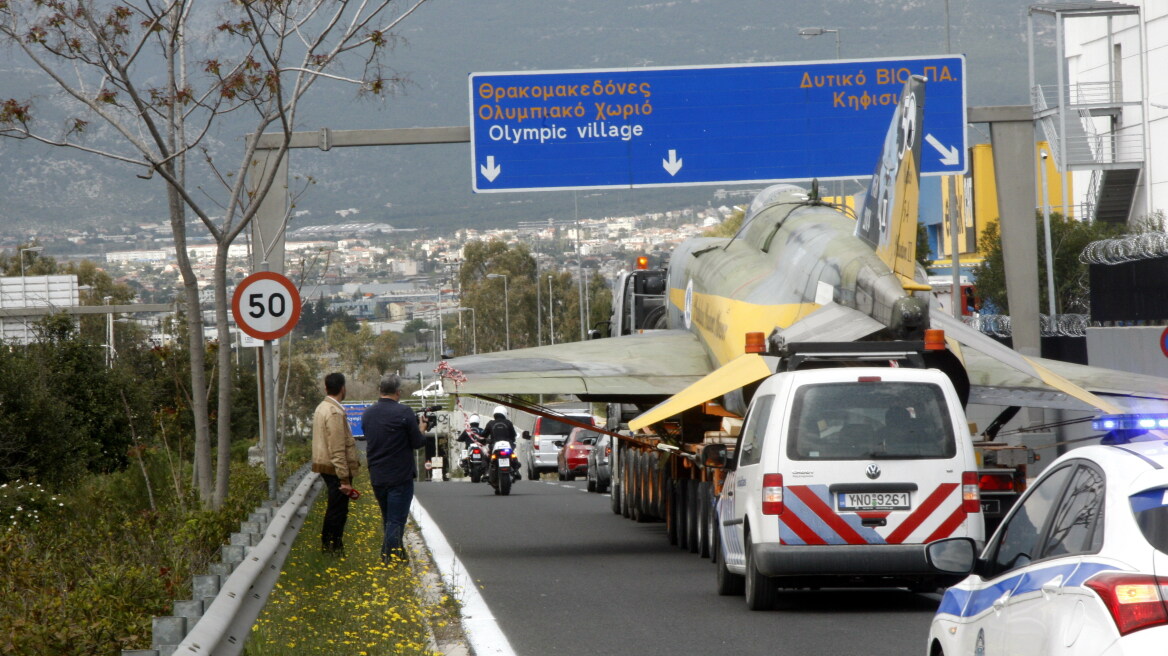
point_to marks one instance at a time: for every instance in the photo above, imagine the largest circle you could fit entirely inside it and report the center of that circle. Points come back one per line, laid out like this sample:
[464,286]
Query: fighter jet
[806,270]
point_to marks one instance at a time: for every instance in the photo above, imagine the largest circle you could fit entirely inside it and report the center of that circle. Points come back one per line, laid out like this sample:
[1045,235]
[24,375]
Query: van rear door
[874,458]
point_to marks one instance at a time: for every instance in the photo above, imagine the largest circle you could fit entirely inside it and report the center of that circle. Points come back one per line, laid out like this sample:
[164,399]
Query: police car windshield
[1151,511]
[870,421]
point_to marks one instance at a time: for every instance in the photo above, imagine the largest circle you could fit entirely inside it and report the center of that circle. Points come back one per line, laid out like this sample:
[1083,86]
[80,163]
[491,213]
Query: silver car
[600,465]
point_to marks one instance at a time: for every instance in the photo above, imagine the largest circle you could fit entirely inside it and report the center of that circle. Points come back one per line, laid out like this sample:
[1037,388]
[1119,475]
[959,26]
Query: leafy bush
[84,572]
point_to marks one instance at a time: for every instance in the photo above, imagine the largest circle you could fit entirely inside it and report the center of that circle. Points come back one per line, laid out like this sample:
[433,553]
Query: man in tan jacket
[334,457]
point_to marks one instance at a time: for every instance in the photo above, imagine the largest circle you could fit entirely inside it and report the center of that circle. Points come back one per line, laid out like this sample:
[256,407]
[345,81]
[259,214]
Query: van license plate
[873,501]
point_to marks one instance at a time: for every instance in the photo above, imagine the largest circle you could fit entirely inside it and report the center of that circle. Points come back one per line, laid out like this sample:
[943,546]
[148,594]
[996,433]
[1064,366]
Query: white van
[840,477]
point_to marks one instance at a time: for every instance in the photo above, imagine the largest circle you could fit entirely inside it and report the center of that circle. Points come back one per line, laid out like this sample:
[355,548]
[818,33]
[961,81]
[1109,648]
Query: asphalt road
[564,575]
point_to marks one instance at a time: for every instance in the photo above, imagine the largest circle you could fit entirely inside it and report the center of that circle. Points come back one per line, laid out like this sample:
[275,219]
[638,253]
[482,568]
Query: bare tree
[149,83]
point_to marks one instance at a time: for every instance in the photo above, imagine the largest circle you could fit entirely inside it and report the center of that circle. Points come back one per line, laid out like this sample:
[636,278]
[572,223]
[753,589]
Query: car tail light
[535,445]
[1136,601]
[970,496]
[996,482]
[772,494]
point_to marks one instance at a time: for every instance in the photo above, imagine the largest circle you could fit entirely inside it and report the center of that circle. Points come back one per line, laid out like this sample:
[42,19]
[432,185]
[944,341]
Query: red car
[573,458]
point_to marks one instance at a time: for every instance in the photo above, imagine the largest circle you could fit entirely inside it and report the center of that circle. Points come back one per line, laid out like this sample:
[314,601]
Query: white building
[1106,113]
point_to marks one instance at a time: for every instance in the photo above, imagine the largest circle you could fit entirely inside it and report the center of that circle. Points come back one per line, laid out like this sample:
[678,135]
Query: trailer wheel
[704,519]
[644,511]
[682,500]
[671,511]
[662,482]
[614,496]
[761,592]
[626,485]
[715,535]
[693,520]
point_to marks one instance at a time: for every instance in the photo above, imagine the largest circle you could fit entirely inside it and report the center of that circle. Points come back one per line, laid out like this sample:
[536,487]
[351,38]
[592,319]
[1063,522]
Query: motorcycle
[502,468]
[474,461]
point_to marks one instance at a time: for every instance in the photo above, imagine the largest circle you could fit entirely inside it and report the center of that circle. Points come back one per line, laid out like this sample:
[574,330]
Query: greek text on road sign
[652,127]
[266,305]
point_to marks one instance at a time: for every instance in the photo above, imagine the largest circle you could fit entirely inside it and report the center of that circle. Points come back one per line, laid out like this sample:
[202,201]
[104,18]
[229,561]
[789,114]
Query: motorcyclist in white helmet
[500,428]
[473,432]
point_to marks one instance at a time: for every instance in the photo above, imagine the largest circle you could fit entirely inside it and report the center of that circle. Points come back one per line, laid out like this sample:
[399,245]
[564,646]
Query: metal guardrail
[227,601]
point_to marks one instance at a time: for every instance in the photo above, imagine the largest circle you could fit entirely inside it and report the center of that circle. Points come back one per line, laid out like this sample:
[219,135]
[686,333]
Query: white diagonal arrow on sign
[673,164]
[949,156]
[490,171]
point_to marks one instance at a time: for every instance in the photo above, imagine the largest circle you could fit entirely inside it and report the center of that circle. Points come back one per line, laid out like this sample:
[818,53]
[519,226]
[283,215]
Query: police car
[1079,566]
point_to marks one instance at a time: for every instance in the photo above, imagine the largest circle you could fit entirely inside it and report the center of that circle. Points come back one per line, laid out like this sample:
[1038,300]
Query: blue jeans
[394,501]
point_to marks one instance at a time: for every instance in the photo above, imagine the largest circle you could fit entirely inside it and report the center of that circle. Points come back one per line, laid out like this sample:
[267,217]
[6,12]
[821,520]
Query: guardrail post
[170,632]
[204,588]
[167,633]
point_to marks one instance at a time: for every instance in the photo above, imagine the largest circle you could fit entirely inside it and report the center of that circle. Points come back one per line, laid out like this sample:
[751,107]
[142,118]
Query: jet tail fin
[888,218]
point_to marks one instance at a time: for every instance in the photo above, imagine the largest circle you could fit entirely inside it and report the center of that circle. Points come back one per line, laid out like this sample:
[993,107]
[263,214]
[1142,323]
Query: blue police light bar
[1141,422]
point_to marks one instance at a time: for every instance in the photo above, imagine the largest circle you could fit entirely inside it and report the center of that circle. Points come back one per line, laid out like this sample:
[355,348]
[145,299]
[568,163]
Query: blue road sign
[656,127]
[353,412]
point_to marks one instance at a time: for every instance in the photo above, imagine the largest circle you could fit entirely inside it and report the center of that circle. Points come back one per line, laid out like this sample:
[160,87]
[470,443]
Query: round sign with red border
[266,305]
[1164,342]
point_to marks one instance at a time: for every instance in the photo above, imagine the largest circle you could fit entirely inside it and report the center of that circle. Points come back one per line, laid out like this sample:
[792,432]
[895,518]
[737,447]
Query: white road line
[482,631]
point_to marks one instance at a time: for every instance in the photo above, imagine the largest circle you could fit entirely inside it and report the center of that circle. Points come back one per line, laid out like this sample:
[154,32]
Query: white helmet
[474,420]
[499,410]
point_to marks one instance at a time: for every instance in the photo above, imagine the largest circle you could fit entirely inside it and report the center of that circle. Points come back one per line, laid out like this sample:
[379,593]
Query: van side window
[754,429]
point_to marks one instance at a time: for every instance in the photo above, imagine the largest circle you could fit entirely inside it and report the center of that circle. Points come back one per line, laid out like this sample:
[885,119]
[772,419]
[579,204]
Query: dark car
[600,465]
[573,458]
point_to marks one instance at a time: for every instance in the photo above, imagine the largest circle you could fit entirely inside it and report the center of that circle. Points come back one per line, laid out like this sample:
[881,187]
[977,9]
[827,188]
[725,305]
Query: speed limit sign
[266,305]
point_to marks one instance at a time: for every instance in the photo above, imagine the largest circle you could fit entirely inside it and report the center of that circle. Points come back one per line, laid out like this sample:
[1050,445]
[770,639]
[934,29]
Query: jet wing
[1003,377]
[655,364]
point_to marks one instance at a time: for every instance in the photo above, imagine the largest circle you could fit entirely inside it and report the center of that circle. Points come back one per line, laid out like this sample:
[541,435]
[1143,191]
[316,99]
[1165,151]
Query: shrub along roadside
[83,572]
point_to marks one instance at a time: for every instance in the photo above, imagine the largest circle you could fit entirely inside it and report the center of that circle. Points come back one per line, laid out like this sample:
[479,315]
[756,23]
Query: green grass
[352,604]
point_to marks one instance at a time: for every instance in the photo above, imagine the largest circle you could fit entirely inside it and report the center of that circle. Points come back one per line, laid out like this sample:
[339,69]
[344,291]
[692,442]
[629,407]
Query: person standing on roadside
[334,457]
[392,435]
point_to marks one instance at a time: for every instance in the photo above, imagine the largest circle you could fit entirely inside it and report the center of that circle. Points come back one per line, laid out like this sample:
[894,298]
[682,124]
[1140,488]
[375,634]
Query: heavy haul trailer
[676,474]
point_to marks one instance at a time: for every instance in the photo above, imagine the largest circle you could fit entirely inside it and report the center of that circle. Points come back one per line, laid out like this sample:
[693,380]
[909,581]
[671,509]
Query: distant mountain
[429,186]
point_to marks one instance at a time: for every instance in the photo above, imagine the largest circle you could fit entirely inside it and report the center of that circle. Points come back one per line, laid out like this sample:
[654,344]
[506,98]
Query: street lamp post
[506,306]
[23,284]
[808,32]
[474,337]
[551,315]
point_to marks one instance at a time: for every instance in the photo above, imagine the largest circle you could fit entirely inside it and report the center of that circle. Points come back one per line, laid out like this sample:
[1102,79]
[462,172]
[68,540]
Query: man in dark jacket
[391,437]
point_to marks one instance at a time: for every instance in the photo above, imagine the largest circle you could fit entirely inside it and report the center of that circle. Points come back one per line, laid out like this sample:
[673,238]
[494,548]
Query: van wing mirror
[717,456]
[526,435]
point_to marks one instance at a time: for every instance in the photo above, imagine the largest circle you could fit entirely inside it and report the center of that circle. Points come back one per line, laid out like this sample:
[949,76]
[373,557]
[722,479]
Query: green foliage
[84,572]
[1068,239]
[922,255]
